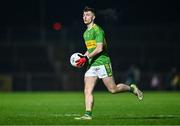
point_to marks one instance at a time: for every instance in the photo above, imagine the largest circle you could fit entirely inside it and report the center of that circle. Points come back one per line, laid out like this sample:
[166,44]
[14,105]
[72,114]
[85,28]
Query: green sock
[88,113]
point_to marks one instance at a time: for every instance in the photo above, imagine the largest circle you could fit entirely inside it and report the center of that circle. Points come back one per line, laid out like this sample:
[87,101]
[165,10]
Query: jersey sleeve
[99,35]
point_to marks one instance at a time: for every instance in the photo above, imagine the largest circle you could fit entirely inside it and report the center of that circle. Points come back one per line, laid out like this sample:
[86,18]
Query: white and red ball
[74,57]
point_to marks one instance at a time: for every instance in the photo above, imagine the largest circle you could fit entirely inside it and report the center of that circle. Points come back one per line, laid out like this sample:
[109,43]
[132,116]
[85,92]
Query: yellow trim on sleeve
[91,44]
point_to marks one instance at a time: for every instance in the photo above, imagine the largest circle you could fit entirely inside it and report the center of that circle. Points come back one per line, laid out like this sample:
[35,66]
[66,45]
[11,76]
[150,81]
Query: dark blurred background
[37,38]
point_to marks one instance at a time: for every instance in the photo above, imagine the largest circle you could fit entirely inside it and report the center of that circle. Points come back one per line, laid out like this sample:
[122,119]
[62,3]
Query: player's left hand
[80,62]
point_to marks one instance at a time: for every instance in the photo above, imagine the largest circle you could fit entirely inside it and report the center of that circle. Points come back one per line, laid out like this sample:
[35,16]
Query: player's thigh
[90,82]
[109,82]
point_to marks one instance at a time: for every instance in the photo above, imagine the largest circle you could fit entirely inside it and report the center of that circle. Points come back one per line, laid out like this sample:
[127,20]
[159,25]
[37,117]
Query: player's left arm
[99,43]
[97,50]
[86,56]
[86,53]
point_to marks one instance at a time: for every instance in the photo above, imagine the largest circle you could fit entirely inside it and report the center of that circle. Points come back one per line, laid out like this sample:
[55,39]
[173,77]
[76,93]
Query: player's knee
[87,92]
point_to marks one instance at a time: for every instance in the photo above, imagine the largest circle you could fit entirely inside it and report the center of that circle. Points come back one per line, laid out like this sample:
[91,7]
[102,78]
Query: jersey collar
[91,27]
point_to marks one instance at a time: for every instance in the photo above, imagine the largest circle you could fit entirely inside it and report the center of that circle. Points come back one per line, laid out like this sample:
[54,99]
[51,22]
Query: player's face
[88,17]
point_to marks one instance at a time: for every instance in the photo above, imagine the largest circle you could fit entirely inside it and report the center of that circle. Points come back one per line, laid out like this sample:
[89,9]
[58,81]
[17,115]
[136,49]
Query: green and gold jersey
[92,37]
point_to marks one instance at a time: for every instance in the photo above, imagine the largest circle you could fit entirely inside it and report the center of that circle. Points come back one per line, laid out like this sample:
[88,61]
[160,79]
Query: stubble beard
[88,23]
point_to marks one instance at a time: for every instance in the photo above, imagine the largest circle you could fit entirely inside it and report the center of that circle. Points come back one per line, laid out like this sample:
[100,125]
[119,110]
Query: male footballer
[99,64]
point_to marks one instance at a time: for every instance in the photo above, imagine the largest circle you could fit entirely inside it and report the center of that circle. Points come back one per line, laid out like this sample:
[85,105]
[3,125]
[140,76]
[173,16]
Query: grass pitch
[60,108]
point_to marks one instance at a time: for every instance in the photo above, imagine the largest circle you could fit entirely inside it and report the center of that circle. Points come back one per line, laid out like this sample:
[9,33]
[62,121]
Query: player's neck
[89,26]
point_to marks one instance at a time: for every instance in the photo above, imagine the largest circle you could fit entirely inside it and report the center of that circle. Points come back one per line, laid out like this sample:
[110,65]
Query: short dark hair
[89,9]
